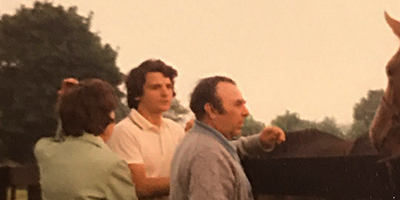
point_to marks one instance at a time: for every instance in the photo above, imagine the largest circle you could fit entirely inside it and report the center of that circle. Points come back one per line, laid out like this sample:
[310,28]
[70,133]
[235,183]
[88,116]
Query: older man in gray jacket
[206,165]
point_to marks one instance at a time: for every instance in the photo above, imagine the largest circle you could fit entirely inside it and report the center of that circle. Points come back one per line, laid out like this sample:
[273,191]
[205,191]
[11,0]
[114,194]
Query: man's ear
[210,111]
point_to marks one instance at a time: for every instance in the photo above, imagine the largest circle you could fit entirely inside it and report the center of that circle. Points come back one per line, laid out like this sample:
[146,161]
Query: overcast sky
[313,57]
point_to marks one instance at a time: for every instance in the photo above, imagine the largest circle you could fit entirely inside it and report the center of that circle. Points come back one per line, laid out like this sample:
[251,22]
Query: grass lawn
[21,194]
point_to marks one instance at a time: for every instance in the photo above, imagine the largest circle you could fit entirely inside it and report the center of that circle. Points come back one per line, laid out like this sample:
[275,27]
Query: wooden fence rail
[356,177]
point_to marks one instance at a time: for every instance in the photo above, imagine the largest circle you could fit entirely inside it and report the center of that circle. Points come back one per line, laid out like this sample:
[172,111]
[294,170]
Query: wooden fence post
[26,176]
[4,182]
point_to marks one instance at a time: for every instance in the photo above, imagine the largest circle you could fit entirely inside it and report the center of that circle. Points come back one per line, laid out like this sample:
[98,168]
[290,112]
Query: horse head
[392,92]
[385,128]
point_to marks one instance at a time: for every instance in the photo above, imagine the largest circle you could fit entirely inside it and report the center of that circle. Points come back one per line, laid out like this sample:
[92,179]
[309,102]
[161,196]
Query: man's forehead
[229,92]
[156,78]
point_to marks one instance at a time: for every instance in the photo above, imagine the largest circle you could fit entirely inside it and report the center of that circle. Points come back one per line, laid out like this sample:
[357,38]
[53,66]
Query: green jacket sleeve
[120,185]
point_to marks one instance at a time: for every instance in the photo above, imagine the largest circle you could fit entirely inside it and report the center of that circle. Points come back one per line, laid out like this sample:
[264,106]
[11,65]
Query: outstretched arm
[256,145]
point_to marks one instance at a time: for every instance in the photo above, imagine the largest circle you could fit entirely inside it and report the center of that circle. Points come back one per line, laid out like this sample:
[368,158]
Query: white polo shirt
[138,141]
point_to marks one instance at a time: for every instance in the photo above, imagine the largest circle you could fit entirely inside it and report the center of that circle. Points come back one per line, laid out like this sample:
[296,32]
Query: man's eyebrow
[154,84]
[240,101]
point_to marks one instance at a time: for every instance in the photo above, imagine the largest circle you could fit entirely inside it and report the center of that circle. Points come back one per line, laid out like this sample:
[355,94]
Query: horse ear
[394,24]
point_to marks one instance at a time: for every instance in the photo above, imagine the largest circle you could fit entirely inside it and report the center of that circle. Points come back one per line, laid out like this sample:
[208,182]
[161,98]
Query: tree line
[363,113]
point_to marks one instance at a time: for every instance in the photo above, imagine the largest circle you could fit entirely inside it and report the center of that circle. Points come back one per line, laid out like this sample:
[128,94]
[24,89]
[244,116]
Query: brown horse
[385,128]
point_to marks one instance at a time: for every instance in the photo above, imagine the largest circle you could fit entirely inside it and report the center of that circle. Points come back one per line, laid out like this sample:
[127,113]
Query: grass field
[21,194]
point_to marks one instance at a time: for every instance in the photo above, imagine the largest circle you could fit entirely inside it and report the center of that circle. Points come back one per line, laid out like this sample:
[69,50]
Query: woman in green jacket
[81,166]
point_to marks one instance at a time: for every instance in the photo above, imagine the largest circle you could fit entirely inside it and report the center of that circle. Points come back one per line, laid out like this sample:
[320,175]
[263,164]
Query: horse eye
[389,72]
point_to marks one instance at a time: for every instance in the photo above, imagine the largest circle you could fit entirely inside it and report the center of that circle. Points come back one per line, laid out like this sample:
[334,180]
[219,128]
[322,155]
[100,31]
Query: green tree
[292,122]
[329,125]
[39,47]
[288,121]
[364,112]
[121,112]
[176,112]
[251,126]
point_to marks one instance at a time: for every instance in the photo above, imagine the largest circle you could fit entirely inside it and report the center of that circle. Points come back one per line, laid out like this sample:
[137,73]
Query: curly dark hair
[206,92]
[137,78]
[87,107]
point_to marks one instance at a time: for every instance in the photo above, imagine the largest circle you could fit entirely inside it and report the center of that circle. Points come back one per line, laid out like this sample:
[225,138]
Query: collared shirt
[138,141]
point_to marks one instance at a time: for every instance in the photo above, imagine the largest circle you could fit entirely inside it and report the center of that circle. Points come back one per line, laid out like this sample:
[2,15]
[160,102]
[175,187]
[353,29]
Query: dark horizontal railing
[355,177]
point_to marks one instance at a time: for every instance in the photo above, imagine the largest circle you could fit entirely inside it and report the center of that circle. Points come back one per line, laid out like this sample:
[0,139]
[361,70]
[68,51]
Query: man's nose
[164,91]
[245,111]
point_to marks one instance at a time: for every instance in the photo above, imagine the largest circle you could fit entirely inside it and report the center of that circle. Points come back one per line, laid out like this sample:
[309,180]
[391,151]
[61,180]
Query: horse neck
[389,98]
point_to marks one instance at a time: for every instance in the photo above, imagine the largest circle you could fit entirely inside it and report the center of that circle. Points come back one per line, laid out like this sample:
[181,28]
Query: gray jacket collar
[205,129]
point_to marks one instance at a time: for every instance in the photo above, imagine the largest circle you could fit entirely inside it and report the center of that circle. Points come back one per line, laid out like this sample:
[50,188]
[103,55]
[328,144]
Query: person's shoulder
[200,141]
[106,157]
[44,140]
[43,144]
[124,127]
[173,125]
[124,122]
[108,154]
[170,122]
[46,147]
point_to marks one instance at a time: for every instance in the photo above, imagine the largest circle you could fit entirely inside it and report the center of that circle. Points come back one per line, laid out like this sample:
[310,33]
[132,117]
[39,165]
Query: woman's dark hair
[87,107]
[206,92]
[137,78]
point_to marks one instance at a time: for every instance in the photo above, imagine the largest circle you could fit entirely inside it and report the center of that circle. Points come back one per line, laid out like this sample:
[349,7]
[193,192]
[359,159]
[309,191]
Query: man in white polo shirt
[146,140]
